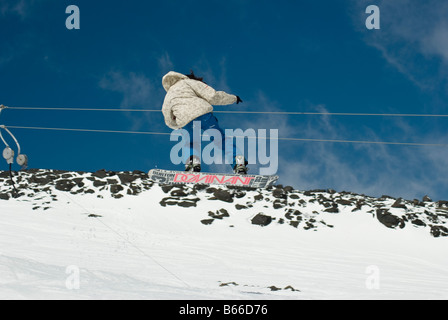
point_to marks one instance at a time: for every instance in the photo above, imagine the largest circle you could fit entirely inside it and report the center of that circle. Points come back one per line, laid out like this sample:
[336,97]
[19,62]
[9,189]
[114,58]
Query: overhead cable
[241,112]
[268,138]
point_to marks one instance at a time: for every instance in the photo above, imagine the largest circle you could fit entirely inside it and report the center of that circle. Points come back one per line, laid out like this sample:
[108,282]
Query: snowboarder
[190,99]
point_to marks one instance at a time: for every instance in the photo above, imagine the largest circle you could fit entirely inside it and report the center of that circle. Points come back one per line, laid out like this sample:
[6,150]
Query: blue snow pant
[209,121]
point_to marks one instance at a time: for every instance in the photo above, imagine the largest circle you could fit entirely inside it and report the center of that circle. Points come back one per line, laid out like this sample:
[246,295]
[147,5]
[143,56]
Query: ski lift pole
[8,153]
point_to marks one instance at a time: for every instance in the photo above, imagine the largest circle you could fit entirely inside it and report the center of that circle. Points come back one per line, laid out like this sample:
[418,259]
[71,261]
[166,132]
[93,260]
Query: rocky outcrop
[302,210]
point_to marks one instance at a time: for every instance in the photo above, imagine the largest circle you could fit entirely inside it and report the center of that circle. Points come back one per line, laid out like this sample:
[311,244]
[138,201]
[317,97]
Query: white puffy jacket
[187,99]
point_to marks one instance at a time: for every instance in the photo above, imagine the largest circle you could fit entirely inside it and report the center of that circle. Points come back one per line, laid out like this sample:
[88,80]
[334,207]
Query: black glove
[238,100]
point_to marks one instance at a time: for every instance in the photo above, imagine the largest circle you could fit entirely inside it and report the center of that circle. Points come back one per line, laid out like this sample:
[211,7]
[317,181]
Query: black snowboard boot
[193,164]
[240,165]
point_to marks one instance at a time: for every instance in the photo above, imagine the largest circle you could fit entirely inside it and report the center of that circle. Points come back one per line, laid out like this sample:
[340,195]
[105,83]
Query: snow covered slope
[116,235]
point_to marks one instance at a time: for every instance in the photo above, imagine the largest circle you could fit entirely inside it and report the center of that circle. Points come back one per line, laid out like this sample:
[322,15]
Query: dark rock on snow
[387,219]
[261,219]
[425,214]
[223,195]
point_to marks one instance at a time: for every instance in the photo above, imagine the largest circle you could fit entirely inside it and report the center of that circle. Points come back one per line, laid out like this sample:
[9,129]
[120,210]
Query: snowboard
[183,177]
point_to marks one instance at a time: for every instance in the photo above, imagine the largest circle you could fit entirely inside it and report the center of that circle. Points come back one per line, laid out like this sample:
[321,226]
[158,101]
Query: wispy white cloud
[401,171]
[317,165]
[413,38]
[138,92]
[165,63]
[9,7]
[20,8]
[372,169]
[437,41]
[144,91]
[136,88]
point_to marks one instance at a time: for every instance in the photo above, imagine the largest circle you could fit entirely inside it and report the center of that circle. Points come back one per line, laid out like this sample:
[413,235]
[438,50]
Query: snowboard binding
[193,164]
[240,165]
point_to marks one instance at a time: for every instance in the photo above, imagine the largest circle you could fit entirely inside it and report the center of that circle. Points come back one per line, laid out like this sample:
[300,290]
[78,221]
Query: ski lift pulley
[8,153]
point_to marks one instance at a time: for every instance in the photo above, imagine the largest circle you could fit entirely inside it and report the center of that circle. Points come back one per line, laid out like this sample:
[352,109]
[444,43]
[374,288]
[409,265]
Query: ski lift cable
[267,138]
[241,112]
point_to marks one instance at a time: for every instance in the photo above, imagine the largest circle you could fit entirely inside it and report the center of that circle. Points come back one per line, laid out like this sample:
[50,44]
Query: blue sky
[310,56]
